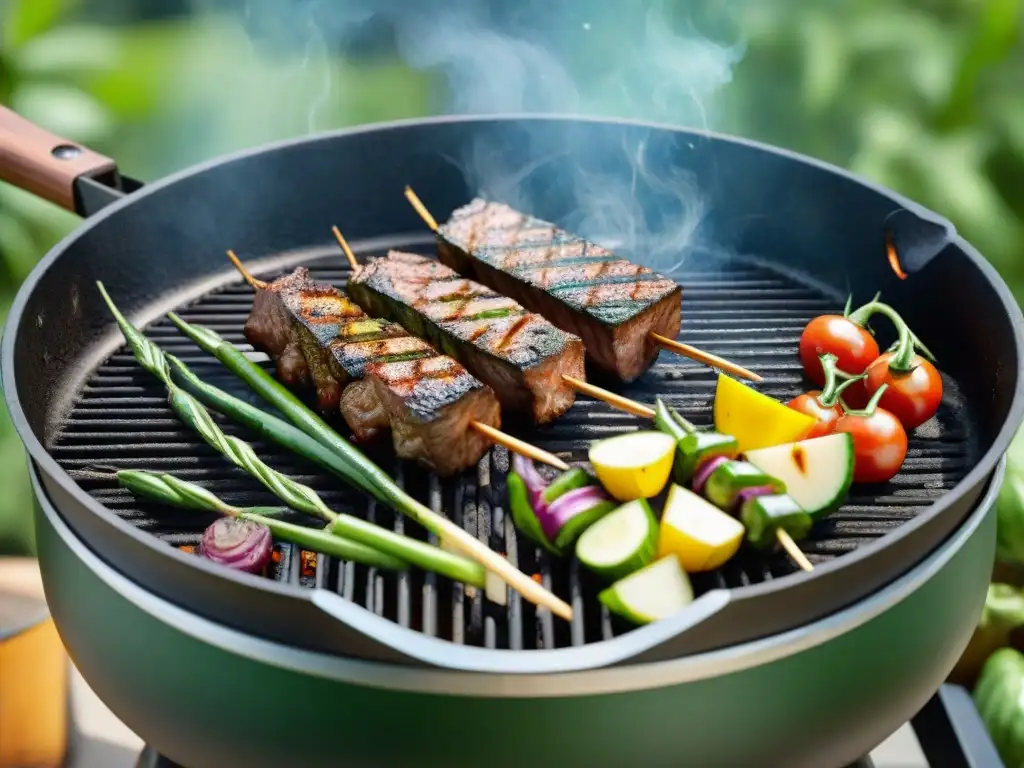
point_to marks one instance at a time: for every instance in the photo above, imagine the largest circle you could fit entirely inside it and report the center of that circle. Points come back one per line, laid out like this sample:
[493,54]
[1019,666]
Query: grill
[731,306]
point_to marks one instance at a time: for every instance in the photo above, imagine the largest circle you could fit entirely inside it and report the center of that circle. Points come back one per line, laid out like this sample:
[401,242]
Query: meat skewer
[519,354]
[377,374]
[639,409]
[623,312]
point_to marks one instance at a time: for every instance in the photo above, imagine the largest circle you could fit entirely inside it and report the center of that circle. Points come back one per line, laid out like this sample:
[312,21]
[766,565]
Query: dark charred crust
[373,371]
[492,335]
[582,288]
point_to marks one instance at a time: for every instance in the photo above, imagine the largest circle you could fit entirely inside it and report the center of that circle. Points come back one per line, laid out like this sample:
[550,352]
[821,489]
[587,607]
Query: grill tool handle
[47,165]
[951,733]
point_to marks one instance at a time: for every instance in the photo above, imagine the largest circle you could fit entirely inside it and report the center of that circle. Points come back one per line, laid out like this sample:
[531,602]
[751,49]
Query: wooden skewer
[701,356]
[252,281]
[456,537]
[671,345]
[513,444]
[625,404]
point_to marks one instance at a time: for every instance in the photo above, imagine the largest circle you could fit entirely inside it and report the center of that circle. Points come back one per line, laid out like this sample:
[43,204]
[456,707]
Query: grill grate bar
[746,313]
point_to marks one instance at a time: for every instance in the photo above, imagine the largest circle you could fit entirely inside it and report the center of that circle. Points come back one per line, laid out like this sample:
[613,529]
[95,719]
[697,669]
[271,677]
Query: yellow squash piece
[754,419]
[635,465]
[699,534]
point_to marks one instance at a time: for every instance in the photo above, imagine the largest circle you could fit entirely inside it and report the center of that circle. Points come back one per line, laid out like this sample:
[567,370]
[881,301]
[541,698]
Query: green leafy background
[924,96]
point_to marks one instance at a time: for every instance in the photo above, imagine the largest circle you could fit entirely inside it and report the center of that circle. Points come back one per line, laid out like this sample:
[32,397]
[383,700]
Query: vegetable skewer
[294,494]
[491,433]
[383,487]
[664,342]
[625,404]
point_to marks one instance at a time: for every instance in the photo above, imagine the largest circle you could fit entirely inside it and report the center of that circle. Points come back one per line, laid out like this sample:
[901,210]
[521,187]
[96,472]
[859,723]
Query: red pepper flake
[536,577]
[894,259]
[188,549]
[308,564]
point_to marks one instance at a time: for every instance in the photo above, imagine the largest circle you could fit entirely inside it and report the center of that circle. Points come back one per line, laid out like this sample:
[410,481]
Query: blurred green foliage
[924,96]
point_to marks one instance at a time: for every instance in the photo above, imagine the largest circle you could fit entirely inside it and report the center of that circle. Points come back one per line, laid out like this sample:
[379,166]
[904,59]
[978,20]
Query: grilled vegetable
[762,511]
[382,377]
[693,446]
[523,517]
[849,342]
[1002,615]
[754,419]
[879,441]
[817,472]
[701,536]
[823,405]
[914,386]
[167,489]
[584,289]
[621,542]
[635,465]
[553,516]
[723,486]
[657,591]
[520,355]
[243,545]
[999,697]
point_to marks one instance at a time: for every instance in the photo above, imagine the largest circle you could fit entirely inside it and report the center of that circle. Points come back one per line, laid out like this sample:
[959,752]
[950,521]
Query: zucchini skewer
[708,451]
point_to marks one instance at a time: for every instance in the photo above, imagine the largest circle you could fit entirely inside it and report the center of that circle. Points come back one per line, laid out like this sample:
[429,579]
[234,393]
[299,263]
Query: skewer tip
[793,550]
[700,356]
[420,208]
[352,261]
[256,283]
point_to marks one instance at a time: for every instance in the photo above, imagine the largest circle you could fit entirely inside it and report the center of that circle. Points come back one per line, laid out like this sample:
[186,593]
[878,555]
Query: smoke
[645,60]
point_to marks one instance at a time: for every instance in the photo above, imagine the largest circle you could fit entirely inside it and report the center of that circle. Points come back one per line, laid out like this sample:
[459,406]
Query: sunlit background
[923,96]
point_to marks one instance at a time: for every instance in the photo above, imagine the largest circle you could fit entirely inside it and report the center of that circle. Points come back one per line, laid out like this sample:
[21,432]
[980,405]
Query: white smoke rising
[639,59]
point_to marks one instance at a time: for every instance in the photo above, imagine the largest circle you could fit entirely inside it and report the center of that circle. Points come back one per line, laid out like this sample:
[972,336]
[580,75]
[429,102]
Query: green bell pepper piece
[762,515]
[523,518]
[569,480]
[731,477]
[693,446]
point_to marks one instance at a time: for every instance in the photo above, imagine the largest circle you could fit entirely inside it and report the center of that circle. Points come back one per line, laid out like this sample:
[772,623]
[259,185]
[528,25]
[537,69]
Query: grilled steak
[612,304]
[379,375]
[519,354]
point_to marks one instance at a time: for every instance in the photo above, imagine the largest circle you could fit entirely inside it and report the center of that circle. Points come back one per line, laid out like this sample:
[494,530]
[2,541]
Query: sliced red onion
[535,484]
[240,544]
[700,477]
[747,494]
[567,506]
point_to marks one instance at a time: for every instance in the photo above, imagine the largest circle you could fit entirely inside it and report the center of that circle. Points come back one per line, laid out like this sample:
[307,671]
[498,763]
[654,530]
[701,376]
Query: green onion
[294,494]
[268,426]
[178,493]
[384,488]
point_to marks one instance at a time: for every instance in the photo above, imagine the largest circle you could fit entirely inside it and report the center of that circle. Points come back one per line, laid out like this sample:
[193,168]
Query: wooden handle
[44,164]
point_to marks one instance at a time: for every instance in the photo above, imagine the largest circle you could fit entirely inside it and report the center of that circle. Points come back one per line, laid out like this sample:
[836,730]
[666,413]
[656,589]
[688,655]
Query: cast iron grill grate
[745,312]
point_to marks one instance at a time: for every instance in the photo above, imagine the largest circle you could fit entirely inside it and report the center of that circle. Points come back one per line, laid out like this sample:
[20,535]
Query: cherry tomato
[853,345]
[913,397]
[879,444]
[827,417]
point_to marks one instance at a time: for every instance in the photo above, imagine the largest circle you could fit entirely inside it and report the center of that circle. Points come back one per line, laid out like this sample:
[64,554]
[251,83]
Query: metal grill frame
[152,262]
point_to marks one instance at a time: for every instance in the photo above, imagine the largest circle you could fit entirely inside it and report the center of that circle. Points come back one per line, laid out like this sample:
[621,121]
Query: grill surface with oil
[744,312]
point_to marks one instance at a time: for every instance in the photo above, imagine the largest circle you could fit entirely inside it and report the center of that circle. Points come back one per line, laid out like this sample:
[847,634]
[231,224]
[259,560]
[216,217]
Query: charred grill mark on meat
[612,304]
[519,354]
[374,371]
